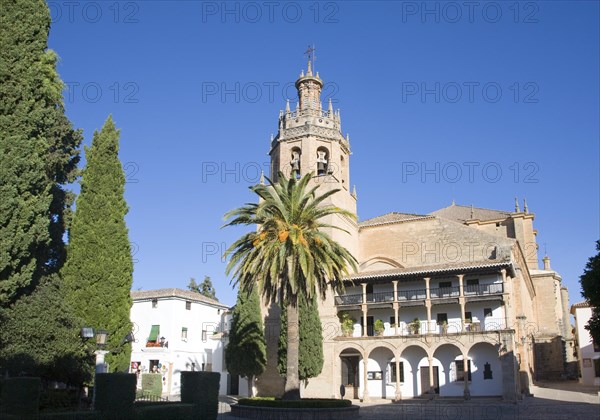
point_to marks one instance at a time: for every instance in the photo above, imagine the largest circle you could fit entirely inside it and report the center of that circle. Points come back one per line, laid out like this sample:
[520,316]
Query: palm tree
[289,256]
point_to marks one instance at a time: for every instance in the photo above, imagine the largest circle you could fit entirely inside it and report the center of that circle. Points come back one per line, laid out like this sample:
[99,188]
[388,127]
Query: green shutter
[154,333]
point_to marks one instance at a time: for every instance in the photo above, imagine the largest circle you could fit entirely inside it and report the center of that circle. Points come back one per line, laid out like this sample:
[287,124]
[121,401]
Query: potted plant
[379,327]
[444,326]
[347,325]
[415,326]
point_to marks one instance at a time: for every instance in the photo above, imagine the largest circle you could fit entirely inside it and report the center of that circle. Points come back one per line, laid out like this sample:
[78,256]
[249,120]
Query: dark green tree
[98,272]
[38,151]
[310,354]
[47,343]
[246,352]
[590,290]
[205,288]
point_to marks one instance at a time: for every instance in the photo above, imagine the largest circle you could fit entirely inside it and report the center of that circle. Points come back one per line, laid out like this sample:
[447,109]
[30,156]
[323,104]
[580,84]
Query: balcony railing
[444,292]
[484,289]
[349,299]
[452,327]
[415,294]
[421,294]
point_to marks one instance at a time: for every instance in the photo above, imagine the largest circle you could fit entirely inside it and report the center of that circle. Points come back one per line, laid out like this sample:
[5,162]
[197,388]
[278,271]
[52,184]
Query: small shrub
[272,402]
[21,396]
[152,384]
[202,390]
[115,392]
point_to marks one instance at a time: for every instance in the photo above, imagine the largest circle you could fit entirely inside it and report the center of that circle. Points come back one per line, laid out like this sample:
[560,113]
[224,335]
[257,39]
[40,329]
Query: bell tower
[310,139]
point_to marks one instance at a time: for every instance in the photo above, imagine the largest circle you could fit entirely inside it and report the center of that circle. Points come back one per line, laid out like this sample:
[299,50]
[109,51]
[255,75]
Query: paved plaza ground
[530,408]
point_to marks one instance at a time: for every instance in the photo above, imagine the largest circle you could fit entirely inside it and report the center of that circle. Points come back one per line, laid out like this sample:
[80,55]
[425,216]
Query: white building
[588,352]
[178,330]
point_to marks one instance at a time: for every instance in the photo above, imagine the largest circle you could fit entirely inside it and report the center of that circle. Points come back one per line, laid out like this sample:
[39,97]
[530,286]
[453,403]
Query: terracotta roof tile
[393,217]
[463,213]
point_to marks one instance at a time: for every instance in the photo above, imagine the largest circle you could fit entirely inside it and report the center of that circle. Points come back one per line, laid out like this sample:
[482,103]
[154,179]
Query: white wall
[171,314]
[586,347]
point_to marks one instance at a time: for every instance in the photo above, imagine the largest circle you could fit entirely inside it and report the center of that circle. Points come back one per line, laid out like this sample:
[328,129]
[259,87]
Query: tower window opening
[295,163]
[322,161]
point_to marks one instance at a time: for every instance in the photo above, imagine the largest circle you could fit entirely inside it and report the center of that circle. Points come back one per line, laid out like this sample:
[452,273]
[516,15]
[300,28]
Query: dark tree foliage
[205,288]
[41,337]
[310,358]
[99,268]
[246,353]
[38,151]
[590,286]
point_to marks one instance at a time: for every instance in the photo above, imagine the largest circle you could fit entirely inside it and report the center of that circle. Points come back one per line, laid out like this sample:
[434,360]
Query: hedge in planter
[152,384]
[21,396]
[202,390]
[115,393]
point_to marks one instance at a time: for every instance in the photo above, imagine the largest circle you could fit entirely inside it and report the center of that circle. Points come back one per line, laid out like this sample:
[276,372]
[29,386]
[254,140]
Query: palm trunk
[292,381]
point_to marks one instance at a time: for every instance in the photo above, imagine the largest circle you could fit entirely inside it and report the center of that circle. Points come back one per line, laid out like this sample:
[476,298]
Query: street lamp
[101,338]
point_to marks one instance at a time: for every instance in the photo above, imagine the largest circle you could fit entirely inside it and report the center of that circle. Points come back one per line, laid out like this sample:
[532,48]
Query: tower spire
[517,209]
[525,208]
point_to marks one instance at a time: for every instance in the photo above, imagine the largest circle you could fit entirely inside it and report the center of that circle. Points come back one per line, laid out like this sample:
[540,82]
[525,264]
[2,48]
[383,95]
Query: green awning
[154,333]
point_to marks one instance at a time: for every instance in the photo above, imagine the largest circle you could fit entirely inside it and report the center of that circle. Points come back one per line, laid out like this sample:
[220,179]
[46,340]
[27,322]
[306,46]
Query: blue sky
[478,103]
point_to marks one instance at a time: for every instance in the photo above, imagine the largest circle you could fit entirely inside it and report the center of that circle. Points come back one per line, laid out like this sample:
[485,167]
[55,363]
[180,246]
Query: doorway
[425,380]
[350,377]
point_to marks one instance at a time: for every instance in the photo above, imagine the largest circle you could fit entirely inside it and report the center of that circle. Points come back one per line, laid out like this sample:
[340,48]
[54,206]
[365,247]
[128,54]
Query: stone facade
[459,291]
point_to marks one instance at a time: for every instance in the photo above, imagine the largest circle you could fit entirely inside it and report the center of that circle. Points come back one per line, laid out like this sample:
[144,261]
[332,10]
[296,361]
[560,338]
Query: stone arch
[486,368]
[445,356]
[384,344]
[414,356]
[378,361]
[379,263]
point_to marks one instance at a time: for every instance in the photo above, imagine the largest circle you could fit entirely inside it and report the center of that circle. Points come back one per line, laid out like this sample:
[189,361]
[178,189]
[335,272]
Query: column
[364,309]
[427,303]
[396,306]
[506,297]
[466,392]
[365,376]
[431,384]
[398,395]
[461,301]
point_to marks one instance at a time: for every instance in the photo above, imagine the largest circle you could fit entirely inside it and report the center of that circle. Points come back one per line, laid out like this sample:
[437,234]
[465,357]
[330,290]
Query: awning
[154,333]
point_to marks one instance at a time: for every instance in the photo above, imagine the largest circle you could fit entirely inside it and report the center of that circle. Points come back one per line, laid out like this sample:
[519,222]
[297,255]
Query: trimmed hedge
[273,402]
[162,411]
[21,396]
[152,384]
[115,393]
[202,390]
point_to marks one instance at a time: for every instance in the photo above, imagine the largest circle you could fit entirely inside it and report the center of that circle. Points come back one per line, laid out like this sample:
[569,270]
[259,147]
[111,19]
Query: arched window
[322,161]
[295,162]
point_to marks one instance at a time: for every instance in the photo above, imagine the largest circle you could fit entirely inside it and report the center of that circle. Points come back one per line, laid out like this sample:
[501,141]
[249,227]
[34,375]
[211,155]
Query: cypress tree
[246,352]
[38,151]
[99,267]
[39,155]
[310,358]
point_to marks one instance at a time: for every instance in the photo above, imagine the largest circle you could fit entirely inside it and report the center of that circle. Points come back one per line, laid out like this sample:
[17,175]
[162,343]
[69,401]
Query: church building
[451,304]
